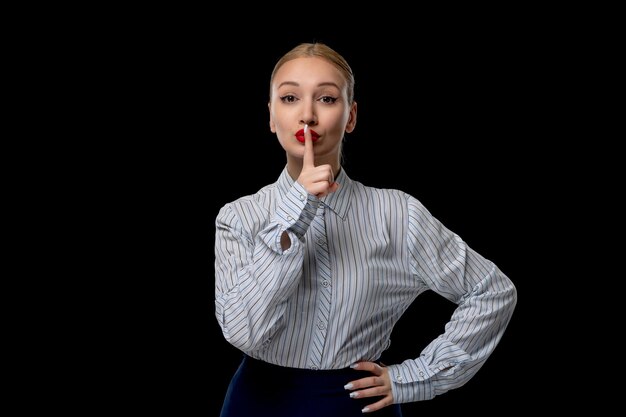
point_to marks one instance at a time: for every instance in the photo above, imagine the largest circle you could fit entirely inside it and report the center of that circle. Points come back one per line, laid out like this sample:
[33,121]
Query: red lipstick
[300,135]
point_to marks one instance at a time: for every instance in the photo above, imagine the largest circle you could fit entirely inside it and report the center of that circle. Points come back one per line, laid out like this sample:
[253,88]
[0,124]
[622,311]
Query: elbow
[243,343]
[239,334]
[246,342]
[509,297]
[512,295]
[240,338]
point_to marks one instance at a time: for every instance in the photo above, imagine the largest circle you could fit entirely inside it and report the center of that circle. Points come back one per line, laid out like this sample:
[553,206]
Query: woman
[314,270]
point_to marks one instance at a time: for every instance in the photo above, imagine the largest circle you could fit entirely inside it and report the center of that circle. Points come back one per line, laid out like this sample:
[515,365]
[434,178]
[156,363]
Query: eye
[328,99]
[288,98]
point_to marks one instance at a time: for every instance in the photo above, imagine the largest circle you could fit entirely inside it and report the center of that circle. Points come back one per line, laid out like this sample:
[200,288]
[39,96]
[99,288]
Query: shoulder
[381,194]
[258,202]
[390,202]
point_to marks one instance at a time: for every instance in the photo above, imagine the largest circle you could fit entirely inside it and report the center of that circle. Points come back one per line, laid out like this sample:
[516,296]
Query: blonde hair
[319,50]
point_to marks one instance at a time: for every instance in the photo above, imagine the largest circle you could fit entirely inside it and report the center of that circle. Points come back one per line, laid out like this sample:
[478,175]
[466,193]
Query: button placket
[323,279]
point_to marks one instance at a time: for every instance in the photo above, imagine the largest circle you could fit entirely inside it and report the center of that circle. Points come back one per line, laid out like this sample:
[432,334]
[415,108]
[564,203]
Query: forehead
[308,71]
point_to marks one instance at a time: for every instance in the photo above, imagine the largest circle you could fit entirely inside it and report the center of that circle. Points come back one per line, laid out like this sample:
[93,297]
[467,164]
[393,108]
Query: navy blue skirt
[261,389]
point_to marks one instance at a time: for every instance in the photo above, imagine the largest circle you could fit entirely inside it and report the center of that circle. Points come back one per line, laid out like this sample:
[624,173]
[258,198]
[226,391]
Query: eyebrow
[295,84]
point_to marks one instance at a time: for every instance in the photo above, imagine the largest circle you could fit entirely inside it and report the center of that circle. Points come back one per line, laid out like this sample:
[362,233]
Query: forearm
[470,337]
[256,271]
[251,294]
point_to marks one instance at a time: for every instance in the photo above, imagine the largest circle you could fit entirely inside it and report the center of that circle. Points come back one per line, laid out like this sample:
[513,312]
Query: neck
[294,169]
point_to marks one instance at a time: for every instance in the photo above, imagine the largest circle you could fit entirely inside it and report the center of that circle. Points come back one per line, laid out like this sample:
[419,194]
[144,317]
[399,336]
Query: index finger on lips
[308,158]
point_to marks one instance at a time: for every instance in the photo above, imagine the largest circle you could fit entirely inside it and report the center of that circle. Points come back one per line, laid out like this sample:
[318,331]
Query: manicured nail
[354,394]
[365,410]
[348,386]
[354,365]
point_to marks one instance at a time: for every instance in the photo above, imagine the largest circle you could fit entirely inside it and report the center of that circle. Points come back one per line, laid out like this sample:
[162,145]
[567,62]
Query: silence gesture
[316,180]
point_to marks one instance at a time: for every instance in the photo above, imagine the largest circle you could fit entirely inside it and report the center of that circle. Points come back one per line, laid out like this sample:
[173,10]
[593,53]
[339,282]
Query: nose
[308,115]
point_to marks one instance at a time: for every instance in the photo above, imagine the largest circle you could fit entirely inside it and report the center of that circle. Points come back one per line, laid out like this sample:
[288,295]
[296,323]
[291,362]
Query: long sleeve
[485,299]
[254,277]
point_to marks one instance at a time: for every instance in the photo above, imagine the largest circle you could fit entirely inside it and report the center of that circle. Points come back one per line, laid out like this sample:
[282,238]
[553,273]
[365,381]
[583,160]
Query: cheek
[339,122]
[281,126]
[279,118]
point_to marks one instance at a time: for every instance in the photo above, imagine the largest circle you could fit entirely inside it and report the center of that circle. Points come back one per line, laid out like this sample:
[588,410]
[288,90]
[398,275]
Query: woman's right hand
[316,180]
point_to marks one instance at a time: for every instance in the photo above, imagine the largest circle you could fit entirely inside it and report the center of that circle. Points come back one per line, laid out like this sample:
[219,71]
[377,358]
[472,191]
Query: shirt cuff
[297,210]
[411,381]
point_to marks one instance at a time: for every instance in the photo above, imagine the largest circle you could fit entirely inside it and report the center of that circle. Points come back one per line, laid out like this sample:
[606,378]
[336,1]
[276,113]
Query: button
[289,218]
[321,241]
[325,283]
[302,197]
[421,373]
[399,378]
[321,326]
[314,367]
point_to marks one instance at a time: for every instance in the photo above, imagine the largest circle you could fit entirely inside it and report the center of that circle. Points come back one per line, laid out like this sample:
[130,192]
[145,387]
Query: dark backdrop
[452,118]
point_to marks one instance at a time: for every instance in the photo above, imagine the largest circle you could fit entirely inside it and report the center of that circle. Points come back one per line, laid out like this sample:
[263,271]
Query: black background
[459,118]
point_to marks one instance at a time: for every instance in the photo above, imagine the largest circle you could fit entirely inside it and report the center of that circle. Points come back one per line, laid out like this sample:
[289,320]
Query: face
[313,91]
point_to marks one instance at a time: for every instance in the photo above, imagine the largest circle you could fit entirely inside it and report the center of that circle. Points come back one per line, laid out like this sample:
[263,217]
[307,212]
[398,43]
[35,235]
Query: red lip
[300,135]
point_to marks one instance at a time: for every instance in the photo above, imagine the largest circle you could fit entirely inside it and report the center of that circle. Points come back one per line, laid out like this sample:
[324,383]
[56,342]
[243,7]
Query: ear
[352,119]
[272,125]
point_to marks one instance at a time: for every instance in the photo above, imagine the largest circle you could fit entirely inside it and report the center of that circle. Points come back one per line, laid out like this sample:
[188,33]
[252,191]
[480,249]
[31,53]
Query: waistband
[284,371]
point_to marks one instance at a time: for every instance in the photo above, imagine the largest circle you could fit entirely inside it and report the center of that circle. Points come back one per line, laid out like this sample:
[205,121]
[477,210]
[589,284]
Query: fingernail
[365,410]
[348,386]
[354,394]
[354,365]
[306,127]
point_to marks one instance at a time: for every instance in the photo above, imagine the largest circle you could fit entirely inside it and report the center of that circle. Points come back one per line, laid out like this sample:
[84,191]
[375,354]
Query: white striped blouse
[358,258]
